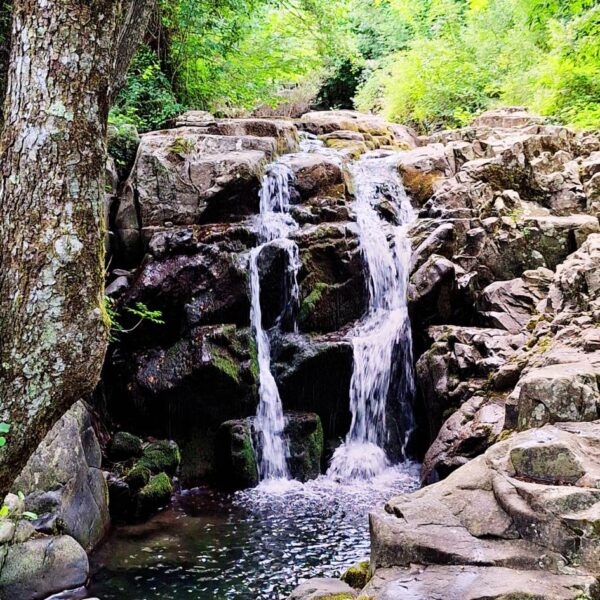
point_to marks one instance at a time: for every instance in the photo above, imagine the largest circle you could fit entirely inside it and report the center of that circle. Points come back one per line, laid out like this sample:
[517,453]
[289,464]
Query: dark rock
[161,456]
[236,458]
[125,446]
[156,494]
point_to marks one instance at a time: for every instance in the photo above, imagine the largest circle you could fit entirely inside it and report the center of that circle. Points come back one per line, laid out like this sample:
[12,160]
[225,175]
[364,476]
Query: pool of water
[253,545]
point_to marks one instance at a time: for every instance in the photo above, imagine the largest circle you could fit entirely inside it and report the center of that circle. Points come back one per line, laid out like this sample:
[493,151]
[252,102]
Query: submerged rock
[323,589]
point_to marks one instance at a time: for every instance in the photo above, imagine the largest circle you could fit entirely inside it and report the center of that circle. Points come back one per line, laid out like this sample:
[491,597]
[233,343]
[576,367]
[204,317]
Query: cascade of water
[275,226]
[382,342]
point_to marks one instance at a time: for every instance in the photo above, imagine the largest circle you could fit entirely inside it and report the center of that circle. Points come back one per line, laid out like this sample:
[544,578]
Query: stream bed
[253,545]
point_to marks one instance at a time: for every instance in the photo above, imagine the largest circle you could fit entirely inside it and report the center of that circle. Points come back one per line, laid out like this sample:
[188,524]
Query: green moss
[124,446]
[357,576]
[226,364]
[254,369]
[247,456]
[309,303]
[342,596]
[154,495]
[161,456]
[182,145]
[138,476]
[315,447]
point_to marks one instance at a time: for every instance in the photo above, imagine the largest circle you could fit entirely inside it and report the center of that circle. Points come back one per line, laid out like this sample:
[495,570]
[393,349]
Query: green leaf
[21,495]
[30,515]
[4,427]
[3,511]
[2,441]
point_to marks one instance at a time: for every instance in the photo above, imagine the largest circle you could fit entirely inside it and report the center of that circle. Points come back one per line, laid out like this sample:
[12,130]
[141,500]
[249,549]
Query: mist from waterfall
[275,227]
[382,371]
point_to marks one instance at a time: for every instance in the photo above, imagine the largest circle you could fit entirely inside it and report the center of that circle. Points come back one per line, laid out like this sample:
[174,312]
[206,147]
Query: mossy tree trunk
[67,59]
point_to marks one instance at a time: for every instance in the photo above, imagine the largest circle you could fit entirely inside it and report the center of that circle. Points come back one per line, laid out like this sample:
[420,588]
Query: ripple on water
[252,545]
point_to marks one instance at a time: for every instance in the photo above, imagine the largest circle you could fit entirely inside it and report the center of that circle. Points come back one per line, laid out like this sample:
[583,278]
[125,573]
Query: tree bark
[67,58]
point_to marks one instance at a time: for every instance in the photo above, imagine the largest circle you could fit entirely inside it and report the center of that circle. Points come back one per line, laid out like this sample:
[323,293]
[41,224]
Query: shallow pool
[254,545]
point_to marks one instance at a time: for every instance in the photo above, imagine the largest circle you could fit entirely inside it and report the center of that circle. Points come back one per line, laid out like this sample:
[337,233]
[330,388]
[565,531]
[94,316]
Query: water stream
[275,226]
[382,372]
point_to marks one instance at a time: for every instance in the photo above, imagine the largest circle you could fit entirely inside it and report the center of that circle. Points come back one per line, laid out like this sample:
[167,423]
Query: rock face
[63,482]
[504,300]
[528,504]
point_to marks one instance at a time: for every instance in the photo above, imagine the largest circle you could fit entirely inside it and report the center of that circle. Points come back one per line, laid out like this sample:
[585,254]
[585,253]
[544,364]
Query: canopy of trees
[431,63]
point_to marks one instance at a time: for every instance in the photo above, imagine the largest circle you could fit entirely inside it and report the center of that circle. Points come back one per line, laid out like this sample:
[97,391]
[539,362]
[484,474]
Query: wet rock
[64,478]
[315,174]
[323,122]
[237,467]
[156,494]
[39,568]
[124,446]
[357,576]
[323,589]
[477,583]
[304,433]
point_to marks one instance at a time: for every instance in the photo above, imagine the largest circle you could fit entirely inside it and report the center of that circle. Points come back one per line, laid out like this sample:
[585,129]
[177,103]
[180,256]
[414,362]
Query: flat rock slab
[477,583]
[323,588]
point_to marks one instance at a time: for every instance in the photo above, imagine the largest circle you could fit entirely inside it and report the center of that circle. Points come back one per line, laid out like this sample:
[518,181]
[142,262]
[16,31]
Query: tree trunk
[67,57]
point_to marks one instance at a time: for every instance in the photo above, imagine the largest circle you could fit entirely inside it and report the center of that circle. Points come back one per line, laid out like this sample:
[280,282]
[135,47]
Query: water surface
[254,545]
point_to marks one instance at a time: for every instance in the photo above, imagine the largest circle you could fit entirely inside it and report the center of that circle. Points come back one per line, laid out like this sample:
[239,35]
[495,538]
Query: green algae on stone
[357,576]
[124,446]
[154,495]
[161,456]
[138,476]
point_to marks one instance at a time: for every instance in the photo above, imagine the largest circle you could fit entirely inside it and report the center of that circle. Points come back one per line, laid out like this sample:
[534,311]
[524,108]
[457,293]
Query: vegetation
[429,63]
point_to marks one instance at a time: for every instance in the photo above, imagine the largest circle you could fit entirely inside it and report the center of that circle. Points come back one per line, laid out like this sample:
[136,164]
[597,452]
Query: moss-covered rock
[125,446]
[161,456]
[154,495]
[304,433]
[138,476]
[357,576]
[236,459]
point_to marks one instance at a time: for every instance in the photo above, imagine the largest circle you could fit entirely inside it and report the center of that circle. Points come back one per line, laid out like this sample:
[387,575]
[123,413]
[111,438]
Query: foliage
[4,429]
[140,311]
[465,56]
[429,63]
[147,99]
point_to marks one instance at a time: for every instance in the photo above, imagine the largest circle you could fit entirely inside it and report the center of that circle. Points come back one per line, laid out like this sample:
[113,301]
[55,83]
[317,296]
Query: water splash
[275,227]
[382,371]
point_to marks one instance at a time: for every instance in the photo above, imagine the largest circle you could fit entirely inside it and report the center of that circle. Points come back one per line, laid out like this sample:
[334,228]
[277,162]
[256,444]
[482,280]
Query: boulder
[323,588]
[184,177]
[237,467]
[328,121]
[41,567]
[63,478]
[563,392]
[513,507]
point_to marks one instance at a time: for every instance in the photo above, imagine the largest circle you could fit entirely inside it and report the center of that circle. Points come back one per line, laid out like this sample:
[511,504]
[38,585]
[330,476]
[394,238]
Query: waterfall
[275,227]
[382,370]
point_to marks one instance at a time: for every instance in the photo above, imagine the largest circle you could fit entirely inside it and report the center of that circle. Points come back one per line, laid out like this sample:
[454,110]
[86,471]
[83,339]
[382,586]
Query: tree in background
[67,60]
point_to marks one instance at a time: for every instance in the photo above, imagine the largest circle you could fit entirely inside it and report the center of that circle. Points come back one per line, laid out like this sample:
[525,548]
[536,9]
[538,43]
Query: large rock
[184,177]
[564,392]
[528,504]
[39,568]
[323,588]
[63,479]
